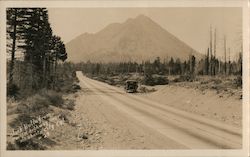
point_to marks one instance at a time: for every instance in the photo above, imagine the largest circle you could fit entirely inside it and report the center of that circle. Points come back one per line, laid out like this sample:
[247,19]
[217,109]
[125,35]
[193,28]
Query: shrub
[76,87]
[12,90]
[39,103]
[33,104]
[160,80]
[54,98]
[148,80]
[185,78]
[238,81]
[69,104]
[217,81]
[155,80]
[32,107]
[27,145]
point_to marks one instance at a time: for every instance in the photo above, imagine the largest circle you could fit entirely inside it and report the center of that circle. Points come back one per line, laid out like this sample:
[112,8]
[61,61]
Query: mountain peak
[138,38]
[141,16]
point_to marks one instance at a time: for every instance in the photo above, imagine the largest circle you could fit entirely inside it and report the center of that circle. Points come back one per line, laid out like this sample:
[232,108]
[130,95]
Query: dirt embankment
[223,105]
[219,97]
[216,97]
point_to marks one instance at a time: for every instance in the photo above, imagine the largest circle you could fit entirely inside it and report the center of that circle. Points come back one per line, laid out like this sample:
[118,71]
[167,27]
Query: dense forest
[30,36]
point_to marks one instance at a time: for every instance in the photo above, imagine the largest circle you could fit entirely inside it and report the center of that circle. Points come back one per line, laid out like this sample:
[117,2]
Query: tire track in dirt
[198,134]
[151,138]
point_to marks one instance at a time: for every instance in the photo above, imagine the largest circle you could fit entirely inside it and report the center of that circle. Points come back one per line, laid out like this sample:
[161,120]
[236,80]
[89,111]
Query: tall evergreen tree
[15,19]
[11,30]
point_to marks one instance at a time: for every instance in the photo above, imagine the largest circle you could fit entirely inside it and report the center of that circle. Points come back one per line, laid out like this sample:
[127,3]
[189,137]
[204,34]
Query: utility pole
[215,43]
[225,54]
[211,51]
[219,66]
[208,62]
[229,62]
[215,63]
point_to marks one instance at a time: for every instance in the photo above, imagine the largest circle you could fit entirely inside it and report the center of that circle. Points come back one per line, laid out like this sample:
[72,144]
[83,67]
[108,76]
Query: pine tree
[12,23]
[157,65]
[15,20]
[171,66]
[37,35]
[192,64]
[240,63]
[177,69]
[57,52]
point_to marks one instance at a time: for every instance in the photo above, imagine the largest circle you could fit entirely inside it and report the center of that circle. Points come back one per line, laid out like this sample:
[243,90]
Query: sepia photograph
[124,78]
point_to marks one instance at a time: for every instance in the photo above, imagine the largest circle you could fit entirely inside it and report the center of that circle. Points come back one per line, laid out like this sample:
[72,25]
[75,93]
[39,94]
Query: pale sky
[190,25]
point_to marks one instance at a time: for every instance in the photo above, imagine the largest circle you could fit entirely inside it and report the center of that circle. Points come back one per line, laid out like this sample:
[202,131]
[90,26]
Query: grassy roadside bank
[25,130]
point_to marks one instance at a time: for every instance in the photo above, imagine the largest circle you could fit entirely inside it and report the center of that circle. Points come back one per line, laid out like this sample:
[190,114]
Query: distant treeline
[209,64]
[29,33]
[206,66]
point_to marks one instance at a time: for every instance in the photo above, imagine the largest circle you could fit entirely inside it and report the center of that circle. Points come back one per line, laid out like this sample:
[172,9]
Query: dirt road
[147,124]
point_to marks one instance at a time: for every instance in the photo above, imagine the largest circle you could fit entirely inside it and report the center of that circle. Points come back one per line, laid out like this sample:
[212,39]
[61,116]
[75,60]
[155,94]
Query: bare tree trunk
[215,43]
[12,63]
[215,61]
[229,62]
[208,62]
[44,71]
[225,54]
[55,72]
[211,52]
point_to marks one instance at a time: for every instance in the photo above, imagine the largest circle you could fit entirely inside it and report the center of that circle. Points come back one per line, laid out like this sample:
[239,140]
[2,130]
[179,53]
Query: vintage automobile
[131,86]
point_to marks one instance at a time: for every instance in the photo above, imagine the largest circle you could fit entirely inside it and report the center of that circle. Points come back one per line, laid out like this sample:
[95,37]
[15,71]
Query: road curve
[191,131]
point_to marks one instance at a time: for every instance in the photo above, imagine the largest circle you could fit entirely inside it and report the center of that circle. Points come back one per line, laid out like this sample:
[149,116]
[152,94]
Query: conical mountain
[136,39]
